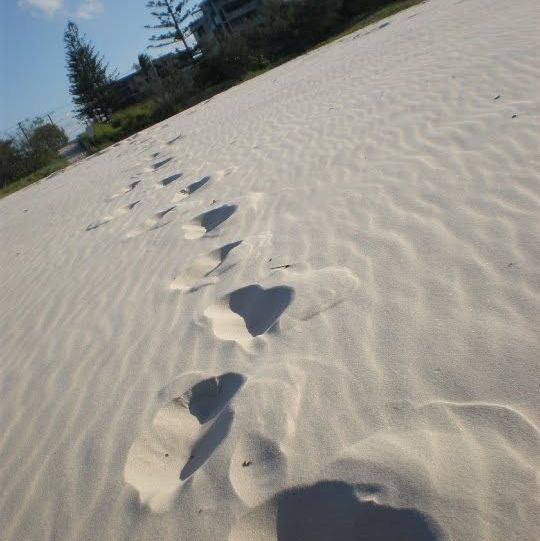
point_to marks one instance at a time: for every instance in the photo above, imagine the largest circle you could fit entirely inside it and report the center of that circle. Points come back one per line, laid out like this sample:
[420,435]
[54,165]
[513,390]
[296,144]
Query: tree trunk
[179,32]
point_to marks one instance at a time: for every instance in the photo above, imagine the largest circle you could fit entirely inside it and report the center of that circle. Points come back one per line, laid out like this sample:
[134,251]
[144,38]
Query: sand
[303,310]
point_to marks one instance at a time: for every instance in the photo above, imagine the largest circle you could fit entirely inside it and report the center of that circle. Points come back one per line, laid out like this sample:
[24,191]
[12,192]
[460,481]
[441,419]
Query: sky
[33,78]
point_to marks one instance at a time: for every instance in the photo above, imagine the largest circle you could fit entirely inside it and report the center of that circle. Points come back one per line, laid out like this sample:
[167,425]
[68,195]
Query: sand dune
[306,309]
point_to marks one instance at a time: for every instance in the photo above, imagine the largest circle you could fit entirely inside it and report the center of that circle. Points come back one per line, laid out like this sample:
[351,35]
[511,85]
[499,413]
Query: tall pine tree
[89,82]
[171,16]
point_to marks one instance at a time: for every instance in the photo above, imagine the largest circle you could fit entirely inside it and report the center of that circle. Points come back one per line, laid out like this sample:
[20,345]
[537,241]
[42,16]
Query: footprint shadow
[331,511]
[208,443]
[160,215]
[213,218]
[206,399]
[193,187]
[223,252]
[154,222]
[111,217]
[174,139]
[157,165]
[197,275]
[130,187]
[208,221]
[260,308]
[183,436]
[169,180]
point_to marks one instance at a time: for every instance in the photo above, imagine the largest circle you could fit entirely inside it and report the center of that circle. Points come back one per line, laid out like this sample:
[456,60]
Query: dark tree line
[21,156]
[281,30]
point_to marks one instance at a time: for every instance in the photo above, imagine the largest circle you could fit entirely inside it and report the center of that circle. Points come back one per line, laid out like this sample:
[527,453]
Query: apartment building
[222,17]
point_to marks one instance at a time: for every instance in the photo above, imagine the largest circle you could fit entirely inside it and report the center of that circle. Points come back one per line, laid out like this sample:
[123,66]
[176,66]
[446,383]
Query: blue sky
[32,72]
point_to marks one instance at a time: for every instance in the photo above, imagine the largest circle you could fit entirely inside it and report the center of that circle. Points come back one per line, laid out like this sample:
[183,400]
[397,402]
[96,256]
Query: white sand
[160,381]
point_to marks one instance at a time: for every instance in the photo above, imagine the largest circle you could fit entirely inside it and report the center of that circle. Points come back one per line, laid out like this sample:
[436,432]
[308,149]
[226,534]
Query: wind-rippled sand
[303,310]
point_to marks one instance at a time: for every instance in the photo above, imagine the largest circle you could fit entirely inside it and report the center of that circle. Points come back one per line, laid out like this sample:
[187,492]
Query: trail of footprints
[199,409]
[192,424]
[198,413]
[198,416]
[199,226]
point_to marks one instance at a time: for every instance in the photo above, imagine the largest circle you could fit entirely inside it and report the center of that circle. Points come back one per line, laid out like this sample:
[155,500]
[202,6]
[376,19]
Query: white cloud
[89,9]
[48,7]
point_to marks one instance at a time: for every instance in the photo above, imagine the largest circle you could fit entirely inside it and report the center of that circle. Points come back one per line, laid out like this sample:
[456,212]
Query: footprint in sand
[198,274]
[160,164]
[182,437]
[169,180]
[129,188]
[154,222]
[118,212]
[174,139]
[257,467]
[332,511]
[208,221]
[248,312]
[193,187]
[448,458]
[157,165]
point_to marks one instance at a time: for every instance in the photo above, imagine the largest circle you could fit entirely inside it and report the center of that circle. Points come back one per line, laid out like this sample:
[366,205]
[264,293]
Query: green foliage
[90,83]
[11,161]
[356,7]
[45,141]
[55,165]
[123,123]
[280,31]
[145,64]
[132,119]
[228,62]
[23,157]
[104,134]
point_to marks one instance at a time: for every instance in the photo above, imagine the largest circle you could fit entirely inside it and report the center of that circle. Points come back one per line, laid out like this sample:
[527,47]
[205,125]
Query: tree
[45,140]
[171,16]
[23,155]
[90,83]
[146,67]
[12,165]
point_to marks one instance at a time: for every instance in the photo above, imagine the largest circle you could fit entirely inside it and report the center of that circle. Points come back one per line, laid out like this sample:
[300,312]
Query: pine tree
[90,84]
[171,16]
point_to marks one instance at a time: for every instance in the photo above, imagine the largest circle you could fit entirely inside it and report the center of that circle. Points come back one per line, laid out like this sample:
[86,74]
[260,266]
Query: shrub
[229,61]
[132,119]
[104,134]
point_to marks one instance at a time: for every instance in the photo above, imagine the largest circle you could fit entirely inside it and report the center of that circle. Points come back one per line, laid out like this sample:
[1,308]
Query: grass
[36,176]
[134,118]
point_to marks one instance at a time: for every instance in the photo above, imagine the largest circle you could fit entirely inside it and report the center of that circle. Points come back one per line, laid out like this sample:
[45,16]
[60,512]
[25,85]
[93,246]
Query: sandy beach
[306,309]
